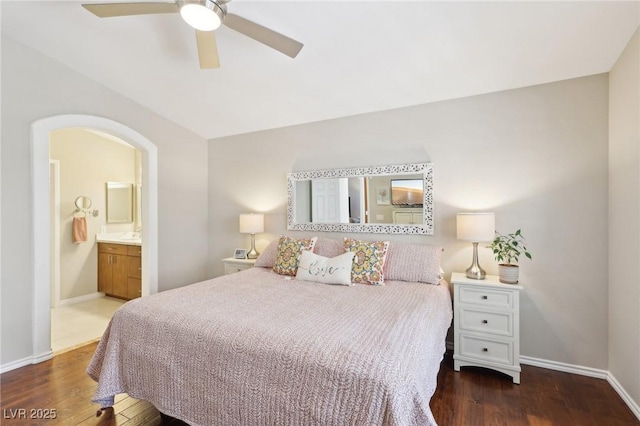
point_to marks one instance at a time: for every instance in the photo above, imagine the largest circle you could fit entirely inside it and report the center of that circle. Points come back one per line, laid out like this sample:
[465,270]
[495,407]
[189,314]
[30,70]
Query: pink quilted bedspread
[252,348]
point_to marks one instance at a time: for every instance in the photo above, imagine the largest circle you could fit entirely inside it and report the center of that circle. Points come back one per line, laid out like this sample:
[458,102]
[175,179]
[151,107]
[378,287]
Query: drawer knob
[485,297]
[485,350]
[485,322]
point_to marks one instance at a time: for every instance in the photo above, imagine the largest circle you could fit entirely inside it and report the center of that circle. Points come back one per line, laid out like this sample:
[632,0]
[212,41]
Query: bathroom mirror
[395,199]
[83,202]
[119,202]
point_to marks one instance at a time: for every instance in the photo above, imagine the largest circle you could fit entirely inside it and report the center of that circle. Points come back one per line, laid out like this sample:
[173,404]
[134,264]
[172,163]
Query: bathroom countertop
[127,238]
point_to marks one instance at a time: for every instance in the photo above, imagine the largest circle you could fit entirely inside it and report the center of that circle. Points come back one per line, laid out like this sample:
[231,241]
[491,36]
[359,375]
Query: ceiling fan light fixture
[203,15]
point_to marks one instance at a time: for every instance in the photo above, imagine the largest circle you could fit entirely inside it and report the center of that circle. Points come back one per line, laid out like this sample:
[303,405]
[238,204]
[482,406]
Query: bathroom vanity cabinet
[119,270]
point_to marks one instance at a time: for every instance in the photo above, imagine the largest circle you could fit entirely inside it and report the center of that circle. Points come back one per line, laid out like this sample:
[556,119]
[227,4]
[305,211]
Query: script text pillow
[327,270]
[288,254]
[368,260]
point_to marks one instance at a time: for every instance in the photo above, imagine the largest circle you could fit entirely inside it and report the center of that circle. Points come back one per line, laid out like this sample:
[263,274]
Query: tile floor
[81,323]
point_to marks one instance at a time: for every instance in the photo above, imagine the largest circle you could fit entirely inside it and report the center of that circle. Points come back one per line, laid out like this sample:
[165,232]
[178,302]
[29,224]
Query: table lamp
[475,227]
[252,223]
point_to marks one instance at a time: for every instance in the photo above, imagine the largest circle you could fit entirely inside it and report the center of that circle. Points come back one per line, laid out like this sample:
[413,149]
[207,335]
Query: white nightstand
[486,324]
[232,265]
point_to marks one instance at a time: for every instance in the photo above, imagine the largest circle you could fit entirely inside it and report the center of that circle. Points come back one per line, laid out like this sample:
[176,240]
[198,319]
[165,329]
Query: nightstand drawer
[500,323]
[486,349]
[232,268]
[486,297]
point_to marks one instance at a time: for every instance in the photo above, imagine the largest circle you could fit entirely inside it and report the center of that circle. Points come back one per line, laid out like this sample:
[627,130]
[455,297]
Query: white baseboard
[80,299]
[567,368]
[35,359]
[623,394]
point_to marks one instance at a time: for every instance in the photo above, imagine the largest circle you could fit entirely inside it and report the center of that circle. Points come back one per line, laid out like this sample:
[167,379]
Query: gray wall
[35,86]
[536,156]
[624,219]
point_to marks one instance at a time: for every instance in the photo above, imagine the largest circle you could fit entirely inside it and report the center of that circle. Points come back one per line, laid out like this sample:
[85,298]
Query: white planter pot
[508,274]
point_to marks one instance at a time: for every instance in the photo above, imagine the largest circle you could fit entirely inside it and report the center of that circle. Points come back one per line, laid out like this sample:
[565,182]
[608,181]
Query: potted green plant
[507,249]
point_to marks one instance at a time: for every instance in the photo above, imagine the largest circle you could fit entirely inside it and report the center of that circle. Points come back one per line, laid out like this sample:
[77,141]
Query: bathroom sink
[134,238]
[131,236]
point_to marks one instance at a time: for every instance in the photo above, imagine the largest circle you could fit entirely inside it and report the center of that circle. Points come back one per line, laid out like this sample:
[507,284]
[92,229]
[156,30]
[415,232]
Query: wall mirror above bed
[395,199]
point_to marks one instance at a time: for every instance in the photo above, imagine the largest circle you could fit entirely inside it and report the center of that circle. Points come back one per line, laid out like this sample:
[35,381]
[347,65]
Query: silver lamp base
[474,271]
[253,253]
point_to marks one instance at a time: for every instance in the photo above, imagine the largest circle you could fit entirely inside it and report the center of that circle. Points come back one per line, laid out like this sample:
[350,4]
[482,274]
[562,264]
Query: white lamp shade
[251,223]
[476,226]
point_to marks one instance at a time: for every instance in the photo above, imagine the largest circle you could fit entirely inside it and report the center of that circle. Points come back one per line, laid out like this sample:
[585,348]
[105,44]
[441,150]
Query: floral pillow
[368,261]
[288,254]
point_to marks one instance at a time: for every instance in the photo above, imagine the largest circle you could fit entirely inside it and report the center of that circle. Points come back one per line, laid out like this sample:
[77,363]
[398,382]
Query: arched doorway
[41,225]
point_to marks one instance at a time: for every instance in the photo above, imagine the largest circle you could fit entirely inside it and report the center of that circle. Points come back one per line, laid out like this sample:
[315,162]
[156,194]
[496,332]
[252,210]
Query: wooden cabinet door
[134,288]
[105,284]
[134,267]
[119,275]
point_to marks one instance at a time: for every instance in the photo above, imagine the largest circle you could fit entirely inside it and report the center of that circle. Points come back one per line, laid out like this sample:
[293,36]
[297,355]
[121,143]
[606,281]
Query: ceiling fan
[205,16]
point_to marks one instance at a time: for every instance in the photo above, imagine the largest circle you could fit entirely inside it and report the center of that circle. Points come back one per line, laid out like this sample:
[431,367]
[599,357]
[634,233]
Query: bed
[260,348]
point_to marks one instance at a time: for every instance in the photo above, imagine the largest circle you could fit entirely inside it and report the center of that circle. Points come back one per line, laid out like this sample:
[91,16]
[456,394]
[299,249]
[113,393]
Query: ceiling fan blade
[207,49]
[108,10]
[264,35]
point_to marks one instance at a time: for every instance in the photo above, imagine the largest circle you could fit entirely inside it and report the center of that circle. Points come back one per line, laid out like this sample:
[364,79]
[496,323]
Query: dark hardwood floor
[472,397]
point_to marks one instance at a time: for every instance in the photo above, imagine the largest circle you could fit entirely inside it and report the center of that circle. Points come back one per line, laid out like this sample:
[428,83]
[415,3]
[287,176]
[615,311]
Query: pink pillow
[328,248]
[415,263]
[267,258]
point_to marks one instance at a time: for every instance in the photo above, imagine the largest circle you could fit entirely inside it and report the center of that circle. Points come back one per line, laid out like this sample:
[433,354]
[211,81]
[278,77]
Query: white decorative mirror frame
[423,170]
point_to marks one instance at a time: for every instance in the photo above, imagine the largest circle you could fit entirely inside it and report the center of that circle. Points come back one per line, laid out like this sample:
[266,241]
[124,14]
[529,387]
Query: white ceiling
[358,57]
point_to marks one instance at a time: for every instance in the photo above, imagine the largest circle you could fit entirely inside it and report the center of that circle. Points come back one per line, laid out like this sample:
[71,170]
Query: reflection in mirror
[386,199]
[119,202]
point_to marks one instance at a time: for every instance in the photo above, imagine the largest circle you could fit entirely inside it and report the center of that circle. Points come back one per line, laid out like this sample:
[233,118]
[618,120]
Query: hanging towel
[79,229]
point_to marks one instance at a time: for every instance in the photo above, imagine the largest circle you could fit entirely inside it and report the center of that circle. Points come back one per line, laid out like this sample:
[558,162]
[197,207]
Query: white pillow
[334,270]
